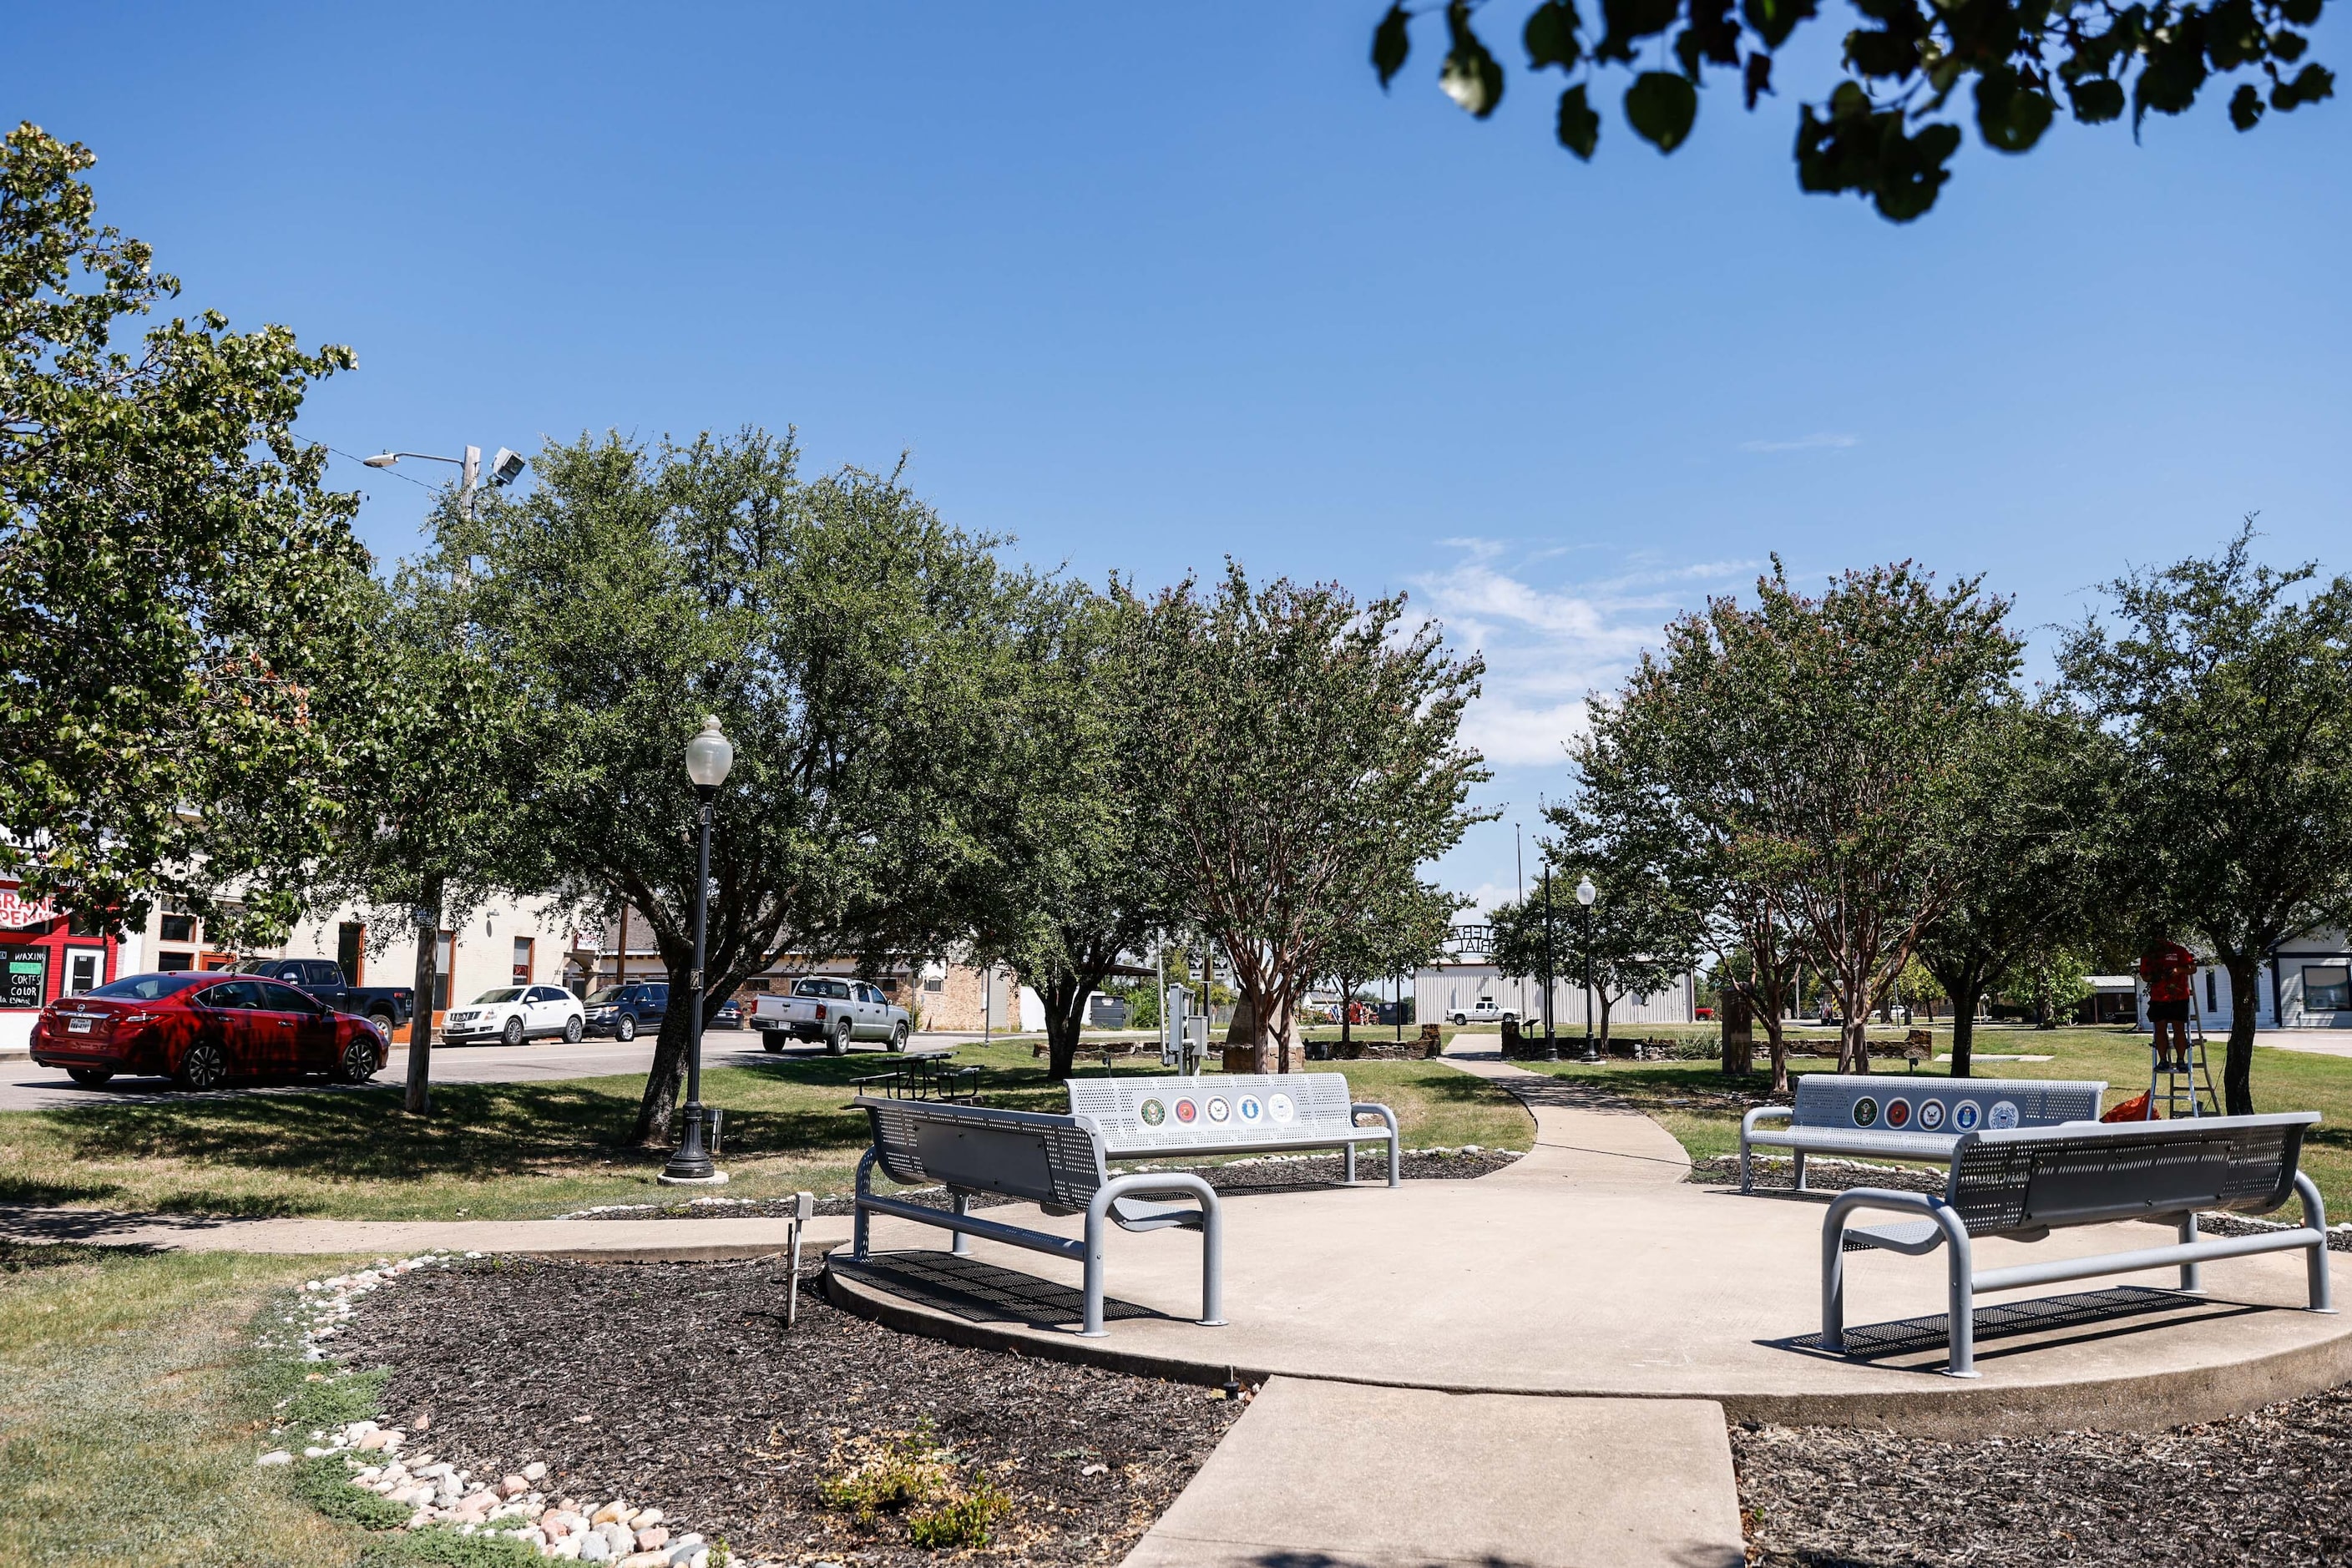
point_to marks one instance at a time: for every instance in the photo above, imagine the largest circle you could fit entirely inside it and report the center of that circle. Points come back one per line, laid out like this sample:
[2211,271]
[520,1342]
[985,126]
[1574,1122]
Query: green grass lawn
[1702,1108]
[131,1407]
[532,1150]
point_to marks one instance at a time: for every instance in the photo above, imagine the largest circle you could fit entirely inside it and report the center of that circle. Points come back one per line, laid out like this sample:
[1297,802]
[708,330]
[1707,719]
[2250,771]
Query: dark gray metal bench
[2025,1184]
[1906,1118]
[1054,1162]
[1232,1113]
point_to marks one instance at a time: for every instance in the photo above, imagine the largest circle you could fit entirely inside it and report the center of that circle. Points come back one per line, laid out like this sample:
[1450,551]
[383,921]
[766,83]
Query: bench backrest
[2050,1177]
[1049,1159]
[1178,1113]
[1948,1106]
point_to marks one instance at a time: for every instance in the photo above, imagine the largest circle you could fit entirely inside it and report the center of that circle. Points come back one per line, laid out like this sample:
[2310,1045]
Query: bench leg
[962,1204]
[2315,1215]
[858,1224]
[1834,1282]
[2191,1280]
[1092,1328]
[1747,1176]
[1350,1167]
[1799,1155]
[1213,1266]
[1962,1308]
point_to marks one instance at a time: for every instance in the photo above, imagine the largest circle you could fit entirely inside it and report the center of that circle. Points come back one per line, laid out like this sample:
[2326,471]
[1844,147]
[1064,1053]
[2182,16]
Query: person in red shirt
[2167,967]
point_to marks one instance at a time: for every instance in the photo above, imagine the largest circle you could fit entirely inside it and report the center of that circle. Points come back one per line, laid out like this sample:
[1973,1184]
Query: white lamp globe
[1585,891]
[710,756]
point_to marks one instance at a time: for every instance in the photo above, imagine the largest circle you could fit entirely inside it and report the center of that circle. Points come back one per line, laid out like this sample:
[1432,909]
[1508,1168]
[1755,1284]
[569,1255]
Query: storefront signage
[23,976]
[17,911]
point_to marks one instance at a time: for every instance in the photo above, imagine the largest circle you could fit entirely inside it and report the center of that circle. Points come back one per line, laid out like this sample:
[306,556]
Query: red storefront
[45,955]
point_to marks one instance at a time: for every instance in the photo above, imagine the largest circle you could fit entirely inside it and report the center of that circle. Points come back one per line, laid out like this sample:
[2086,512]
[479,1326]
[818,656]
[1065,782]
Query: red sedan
[202,1030]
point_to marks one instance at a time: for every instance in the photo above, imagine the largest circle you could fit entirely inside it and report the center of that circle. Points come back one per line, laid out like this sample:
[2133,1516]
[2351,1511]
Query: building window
[2212,996]
[351,952]
[81,923]
[177,928]
[23,976]
[2326,987]
[176,963]
[934,982]
[522,952]
[444,953]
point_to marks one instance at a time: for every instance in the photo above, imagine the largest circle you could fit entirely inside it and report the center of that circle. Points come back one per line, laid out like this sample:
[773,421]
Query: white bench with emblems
[1232,1113]
[1907,1118]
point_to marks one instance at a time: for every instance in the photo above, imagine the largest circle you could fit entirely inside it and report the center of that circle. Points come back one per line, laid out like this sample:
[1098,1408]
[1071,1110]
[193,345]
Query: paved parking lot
[23,1086]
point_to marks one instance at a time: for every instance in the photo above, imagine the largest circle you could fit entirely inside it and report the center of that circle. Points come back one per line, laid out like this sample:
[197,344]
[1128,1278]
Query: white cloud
[1819,441]
[1547,647]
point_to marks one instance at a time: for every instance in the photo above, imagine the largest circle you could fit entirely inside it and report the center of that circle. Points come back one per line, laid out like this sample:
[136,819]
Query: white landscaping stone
[276,1456]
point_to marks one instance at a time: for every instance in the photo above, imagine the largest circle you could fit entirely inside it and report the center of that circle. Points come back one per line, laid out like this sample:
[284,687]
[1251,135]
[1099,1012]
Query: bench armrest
[1762,1113]
[1388,1130]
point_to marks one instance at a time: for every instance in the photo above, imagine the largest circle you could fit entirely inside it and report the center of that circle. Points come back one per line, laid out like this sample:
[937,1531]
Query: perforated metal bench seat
[1906,1118]
[1054,1162]
[2022,1184]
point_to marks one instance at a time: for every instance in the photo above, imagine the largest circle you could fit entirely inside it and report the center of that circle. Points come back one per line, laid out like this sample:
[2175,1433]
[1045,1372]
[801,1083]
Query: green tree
[1817,744]
[2228,685]
[176,581]
[1080,875]
[1887,129]
[1641,935]
[2053,977]
[1394,930]
[851,645]
[1308,749]
[2028,872]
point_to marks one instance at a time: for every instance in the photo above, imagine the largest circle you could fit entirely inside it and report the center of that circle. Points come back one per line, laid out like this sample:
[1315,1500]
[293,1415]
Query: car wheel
[898,1038]
[512,1033]
[624,1029]
[771,1041]
[383,1024]
[837,1043]
[360,1062]
[1459,1020]
[90,1078]
[203,1066]
[573,1029]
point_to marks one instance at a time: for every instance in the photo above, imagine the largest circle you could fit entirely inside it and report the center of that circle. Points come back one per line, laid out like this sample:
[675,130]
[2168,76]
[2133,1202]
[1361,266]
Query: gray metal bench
[2025,1184]
[1232,1113]
[1905,1117]
[1054,1162]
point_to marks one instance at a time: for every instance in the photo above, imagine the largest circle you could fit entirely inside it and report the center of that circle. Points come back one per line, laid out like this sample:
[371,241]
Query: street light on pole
[1585,894]
[1551,1045]
[708,758]
[505,469]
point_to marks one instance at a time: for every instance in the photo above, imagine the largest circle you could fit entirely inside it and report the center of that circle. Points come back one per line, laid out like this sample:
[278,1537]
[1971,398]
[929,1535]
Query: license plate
[78,1026]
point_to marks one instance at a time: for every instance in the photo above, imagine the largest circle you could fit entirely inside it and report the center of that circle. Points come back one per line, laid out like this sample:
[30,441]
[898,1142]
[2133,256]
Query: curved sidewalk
[1592,1267]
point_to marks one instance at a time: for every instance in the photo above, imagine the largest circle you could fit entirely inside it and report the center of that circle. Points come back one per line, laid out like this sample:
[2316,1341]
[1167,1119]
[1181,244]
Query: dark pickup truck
[386,1006]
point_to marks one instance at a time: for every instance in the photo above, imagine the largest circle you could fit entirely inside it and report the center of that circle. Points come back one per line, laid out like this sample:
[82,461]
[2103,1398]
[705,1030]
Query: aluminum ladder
[2185,1091]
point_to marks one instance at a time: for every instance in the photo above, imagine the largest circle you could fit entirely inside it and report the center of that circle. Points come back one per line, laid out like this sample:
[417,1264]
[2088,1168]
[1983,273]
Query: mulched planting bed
[2271,1488]
[1778,1175]
[1238,1177]
[677,1385]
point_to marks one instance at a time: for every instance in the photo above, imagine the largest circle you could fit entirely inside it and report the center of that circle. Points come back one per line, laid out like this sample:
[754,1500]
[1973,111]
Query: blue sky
[1145,285]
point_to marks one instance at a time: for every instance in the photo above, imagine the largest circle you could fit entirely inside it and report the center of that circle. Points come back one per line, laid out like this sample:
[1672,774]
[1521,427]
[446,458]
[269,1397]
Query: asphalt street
[25,1085]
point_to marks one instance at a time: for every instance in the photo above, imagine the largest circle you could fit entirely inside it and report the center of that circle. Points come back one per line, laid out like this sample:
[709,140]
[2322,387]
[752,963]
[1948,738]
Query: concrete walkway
[1343,1476]
[605,1241]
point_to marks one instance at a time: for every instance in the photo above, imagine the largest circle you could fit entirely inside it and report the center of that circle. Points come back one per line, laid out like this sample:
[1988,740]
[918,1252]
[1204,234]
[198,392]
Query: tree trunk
[2245,1002]
[1964,1023]
[1244,1045]
[1065,1005]
[1605,1005]
[1738,1033]
[669,1071]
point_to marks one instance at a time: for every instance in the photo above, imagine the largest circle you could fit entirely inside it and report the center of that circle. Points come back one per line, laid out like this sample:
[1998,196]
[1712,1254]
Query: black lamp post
[708,757]
[1585,894]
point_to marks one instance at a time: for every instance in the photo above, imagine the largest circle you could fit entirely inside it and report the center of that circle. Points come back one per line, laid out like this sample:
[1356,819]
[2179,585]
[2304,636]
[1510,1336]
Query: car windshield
[147,987]
[610,993]
[504,993]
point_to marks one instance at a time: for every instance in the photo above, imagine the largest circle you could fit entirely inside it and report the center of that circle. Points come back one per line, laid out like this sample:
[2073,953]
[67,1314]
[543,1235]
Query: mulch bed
[675,1385]
[2272,1488]
[1777,1175]
[1238,1177]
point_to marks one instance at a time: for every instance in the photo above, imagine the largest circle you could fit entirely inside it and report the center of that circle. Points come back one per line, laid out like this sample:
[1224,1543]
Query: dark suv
[621,1011]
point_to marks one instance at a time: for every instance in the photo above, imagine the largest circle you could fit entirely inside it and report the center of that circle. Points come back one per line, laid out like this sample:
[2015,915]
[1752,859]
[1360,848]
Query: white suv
[513,1013]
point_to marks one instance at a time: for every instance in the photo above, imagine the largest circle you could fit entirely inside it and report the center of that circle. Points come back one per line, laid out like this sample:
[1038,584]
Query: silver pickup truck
[833,1010]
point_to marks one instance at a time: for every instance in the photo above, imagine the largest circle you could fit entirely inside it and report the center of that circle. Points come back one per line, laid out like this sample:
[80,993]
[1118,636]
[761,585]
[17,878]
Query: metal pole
[1590,1054]
[1551,1045]
[692,1162]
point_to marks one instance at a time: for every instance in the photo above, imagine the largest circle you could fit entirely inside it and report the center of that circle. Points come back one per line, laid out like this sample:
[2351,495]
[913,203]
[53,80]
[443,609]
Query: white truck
[1486,1010]
[832,1009]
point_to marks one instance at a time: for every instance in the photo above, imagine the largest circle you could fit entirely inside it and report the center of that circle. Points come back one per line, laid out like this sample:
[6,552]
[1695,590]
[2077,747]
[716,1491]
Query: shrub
[963,1522]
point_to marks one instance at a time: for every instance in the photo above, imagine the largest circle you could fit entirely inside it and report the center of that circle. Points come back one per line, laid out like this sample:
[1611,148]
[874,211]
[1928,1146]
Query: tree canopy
[1888,126]
[1308,748]
[175,580]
